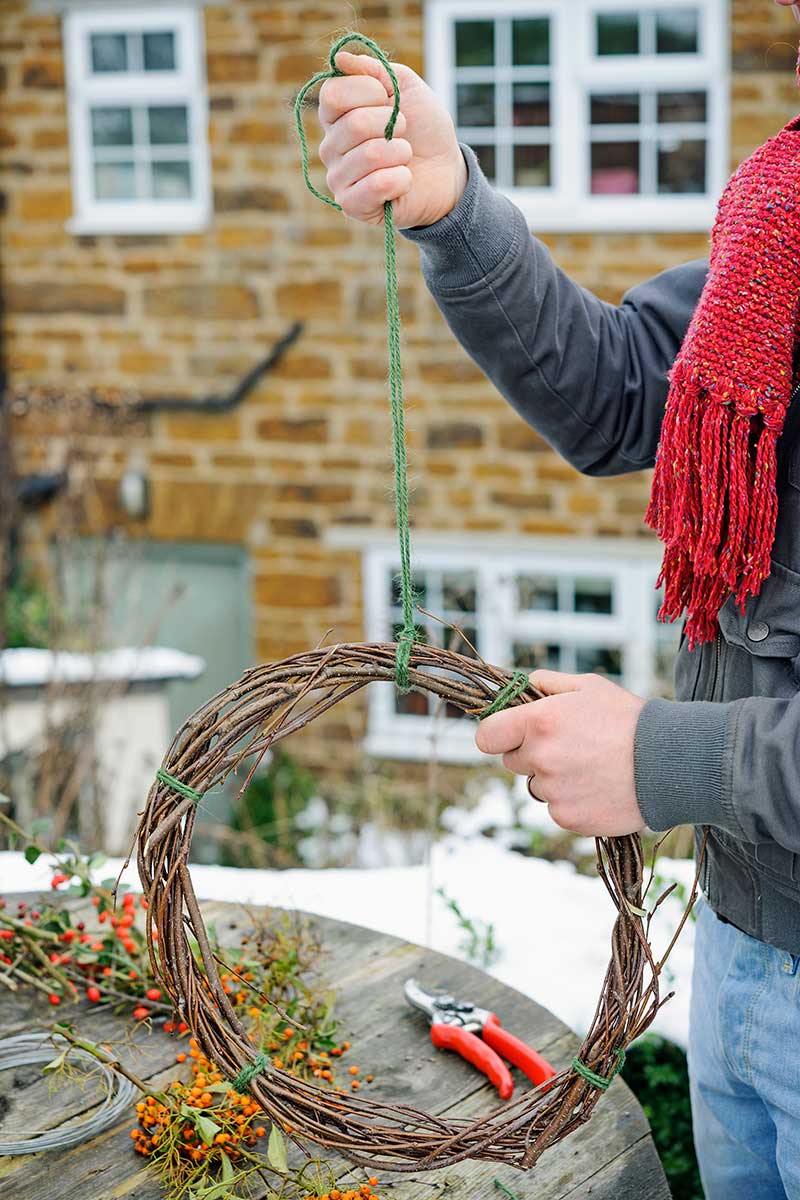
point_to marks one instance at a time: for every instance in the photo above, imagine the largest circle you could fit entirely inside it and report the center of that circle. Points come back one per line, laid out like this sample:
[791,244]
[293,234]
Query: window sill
[84,226]
[547,214]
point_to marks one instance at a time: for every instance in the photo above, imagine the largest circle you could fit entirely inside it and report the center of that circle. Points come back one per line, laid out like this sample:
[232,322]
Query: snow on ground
[26,666]
[552,924]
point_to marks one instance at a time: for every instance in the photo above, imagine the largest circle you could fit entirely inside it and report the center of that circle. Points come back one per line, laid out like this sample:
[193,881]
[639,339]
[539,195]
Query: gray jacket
[592,379]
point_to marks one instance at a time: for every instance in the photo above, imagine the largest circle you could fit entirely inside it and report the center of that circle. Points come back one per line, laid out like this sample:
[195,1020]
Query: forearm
[735,766]
[589,376]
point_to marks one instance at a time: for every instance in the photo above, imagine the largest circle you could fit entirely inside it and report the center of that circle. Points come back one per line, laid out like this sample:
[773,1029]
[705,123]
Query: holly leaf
[276,1151]
[32,853]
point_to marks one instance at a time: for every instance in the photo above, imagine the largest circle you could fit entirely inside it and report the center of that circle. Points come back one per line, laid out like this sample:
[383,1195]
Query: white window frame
[633,567]
[567,206]
[186,86]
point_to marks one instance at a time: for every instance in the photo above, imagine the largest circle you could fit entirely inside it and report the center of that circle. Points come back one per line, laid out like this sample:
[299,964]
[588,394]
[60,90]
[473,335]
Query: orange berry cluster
[167,1127]
[352,1194]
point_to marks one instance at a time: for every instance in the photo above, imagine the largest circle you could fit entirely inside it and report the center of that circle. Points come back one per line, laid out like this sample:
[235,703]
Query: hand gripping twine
[407,636]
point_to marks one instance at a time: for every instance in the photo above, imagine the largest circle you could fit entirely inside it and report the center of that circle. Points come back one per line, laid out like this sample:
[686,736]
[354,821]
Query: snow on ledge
[28,667]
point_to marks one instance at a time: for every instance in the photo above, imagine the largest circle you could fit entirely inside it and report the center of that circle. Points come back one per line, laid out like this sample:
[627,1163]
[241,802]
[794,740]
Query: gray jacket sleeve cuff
[681,764]
[467,244]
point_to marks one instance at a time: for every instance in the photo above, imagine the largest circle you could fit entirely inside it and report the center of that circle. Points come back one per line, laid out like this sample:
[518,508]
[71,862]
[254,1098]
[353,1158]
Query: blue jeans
[744,1064]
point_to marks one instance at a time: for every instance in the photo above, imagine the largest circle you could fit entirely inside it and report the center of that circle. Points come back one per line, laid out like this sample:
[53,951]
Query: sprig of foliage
[478,945]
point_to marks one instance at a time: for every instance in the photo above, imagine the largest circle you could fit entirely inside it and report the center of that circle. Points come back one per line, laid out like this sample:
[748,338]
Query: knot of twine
[603,1082]
[182,789]
[249,1072]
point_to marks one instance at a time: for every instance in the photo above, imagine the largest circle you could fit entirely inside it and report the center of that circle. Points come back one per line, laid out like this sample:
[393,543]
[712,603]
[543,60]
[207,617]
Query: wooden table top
[611,1158]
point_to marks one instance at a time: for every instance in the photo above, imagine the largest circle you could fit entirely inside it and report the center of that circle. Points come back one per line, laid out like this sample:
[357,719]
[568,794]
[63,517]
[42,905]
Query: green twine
[515,687]
[407,636]
[182,789]
[603,1082]
[248,1073]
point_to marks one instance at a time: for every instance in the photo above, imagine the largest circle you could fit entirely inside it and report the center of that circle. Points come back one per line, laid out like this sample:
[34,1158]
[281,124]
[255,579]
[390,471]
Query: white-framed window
[592,114]
[569,606]
[138,119]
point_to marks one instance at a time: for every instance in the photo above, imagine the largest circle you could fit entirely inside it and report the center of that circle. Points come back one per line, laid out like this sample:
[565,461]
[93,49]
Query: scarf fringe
[713,503]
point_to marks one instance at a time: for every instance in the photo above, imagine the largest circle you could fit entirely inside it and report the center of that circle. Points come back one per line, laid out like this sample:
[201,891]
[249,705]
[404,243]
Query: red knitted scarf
[714,502]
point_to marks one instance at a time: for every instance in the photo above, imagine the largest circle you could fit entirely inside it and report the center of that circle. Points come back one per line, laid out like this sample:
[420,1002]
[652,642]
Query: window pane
[475,103]
[531,104]
[487,158]
[682,167]
[620,109]
[474,43]
[169,126]
[537,592]
[158,51]
[600,659]
[594,596]
[682,106]
[528,656]
[109,52]
[531,42]
[459,591]
[112,127]
[678,31]
[420,585]
[615,168]
[172,180]
[412,704]
[532,166]
[618,33]
[114,181]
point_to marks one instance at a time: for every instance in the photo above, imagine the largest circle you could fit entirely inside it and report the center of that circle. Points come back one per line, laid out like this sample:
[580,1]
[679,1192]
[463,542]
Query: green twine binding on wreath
[249,1072]
[515,687]
[182,789]
[603,1082]
[407,636]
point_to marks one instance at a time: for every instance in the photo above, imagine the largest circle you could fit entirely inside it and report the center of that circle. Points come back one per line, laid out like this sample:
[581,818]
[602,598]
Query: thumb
[364,64]
[555,683]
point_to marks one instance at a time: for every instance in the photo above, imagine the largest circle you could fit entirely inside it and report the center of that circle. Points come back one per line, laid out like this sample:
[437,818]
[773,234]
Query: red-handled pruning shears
[456,1024]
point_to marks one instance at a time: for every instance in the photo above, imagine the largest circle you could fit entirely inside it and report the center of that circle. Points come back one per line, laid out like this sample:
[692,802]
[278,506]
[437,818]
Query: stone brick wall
[188,315]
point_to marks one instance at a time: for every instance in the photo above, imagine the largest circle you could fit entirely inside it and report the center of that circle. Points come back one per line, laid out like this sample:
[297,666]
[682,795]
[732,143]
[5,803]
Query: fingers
[345,93]
[554,683]
[364,200]
[356,127]
[505,731]
[364,64]
[374,155]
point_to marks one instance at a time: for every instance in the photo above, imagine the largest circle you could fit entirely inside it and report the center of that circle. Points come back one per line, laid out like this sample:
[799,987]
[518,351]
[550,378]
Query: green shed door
[189,596]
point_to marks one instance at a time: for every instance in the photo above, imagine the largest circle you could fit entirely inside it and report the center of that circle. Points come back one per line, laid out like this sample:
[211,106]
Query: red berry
[4,958]
[35,915]
[7,934]
[97,947]
[126,921]
[183,1027]
[107,971]
[93,994]
[54,999]
[140,1013]
[131,974]
[58,879]
[80,926]
[68,935]
[128,900]
[96,901]
[153,993]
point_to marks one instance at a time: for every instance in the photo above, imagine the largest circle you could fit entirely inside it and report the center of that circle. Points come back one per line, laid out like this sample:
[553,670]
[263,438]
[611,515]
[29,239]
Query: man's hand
[422,168]
[577,743]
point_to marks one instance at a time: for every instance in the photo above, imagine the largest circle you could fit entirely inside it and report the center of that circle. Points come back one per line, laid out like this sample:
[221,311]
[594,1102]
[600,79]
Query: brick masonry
[188,315]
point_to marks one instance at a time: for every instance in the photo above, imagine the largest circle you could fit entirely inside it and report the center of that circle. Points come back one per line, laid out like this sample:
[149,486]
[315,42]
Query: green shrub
[27,614]
[267,811]
[655,1070]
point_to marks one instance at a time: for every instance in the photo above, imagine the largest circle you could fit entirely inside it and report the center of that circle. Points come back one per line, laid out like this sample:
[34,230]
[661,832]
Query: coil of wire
[30,1049]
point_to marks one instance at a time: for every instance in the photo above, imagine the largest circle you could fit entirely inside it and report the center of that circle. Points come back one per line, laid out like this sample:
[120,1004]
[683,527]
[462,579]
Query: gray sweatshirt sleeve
[590,377]
[731,765]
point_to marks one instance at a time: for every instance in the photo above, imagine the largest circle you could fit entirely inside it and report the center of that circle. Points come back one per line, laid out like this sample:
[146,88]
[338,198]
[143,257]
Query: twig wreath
[274,700]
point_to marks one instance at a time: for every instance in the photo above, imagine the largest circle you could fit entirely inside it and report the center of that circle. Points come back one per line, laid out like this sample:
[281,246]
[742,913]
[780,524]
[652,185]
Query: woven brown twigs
[232,732]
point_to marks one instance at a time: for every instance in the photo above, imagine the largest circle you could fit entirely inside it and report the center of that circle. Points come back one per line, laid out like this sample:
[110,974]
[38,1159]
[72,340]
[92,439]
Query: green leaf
[32,853]
[55,1064]
[276,1151]
[207,1129]
[40,826]
[97,860]
[214,1088]
[227,1167]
